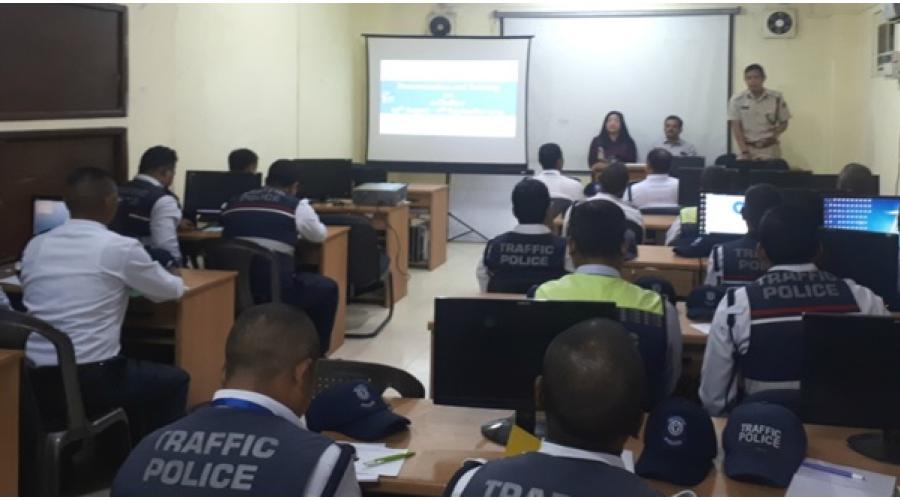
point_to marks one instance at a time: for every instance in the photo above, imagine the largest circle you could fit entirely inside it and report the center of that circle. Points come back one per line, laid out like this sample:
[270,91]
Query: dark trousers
[153,395]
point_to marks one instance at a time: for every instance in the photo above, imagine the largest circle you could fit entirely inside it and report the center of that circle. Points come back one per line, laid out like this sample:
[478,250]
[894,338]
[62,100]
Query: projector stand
[462,222]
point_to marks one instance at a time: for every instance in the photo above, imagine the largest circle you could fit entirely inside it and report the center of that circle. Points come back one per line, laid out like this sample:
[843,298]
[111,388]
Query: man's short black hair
[614,179]
[593,383]
[597,228]
[269,339]
[87,189]
[755,67]
[659,160]
[549,154]
[715,179]
[676,118]
[789,234]
[240,159]
[157,158]
[530,200]
[758,199]
[281,174]
[856,179]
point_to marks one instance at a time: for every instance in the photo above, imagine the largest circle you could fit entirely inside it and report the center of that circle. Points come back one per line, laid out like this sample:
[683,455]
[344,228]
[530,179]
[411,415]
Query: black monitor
[869,259]
[47,212]
[829,182]
[777,178]
[323,180]
[774,164]
[851,378]
[363,173]
[206,192]
[679,162]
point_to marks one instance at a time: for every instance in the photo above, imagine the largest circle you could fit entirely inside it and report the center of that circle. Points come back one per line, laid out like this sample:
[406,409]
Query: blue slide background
[473,98]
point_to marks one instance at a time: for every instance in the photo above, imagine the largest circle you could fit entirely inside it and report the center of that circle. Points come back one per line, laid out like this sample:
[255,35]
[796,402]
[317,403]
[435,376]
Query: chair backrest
[335,371]
[638,231]
[558,206]
[15,327]
[363,252]
[246,258]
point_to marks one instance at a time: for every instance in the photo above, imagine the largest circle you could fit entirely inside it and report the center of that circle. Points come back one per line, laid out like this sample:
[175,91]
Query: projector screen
[447,104]
[647,67]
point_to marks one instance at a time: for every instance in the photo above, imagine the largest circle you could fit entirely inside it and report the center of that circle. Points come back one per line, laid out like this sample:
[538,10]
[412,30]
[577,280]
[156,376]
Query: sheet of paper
[366,452]
[817,483]
[702,327]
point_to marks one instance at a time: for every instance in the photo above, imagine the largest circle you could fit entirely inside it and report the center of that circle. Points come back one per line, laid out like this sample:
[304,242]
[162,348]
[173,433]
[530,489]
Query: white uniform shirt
[631,213]
[657,190]
[348,487]
[483,275]
[677,148]
[718,361]
[715,276]
[309,228]
[552,449]
[164,219]
[77,277]
[561,186]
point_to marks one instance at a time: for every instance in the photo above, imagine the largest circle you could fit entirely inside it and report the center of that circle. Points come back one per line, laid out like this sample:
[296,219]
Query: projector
[379,193]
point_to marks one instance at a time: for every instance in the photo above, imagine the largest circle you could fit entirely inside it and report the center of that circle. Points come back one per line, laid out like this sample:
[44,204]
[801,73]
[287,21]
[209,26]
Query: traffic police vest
[224,451]
[262,213]
[539,474]
[739,265]
[777,301]
[517,262]
[136,200]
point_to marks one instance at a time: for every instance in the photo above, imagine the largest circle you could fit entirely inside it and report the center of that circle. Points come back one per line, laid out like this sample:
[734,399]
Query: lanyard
[242,404]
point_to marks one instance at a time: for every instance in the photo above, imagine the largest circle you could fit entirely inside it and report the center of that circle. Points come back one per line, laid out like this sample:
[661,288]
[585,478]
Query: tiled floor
[405,341]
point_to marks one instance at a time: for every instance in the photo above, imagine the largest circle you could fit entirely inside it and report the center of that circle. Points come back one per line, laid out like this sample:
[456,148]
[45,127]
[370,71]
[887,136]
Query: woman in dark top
[616,143]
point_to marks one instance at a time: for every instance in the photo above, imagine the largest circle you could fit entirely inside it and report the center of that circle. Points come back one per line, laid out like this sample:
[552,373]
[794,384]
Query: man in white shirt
[658,190]
[613,183]
[591,390]
[273,217]
[551,159]
[148,210]
[251,437]
[78,277]
[673,143]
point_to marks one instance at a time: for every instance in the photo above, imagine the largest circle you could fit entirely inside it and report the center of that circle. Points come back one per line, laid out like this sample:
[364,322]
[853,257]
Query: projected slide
[876,215]
[452,98]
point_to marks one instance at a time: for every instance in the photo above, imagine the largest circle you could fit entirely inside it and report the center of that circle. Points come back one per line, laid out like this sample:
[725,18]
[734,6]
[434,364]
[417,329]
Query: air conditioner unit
[780,23]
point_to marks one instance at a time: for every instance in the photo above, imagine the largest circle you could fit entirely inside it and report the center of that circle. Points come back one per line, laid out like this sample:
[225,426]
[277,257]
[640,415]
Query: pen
[834,470]
[389,458]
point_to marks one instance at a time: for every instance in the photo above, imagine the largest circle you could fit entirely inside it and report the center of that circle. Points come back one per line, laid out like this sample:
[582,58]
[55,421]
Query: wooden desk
[444,436]
[435,199]
[659,222]
[10,369]
[684,273]
[636,171]
[331,259]
[394,221]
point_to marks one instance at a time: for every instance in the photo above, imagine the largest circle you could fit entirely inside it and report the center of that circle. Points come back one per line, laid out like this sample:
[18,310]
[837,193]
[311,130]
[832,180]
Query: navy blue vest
[518,261]
[262,213]
[221,451]
[649,331]
[739,265]
[540,474]
[136,200]
[775,353]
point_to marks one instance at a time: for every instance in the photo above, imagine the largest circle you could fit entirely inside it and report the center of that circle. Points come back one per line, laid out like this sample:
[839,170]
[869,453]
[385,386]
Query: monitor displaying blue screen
[48,213]
[871,214]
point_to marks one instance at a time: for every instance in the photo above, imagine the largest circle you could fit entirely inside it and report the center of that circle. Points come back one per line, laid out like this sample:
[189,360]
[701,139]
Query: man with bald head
[591,388]
[77,277]
[250,440]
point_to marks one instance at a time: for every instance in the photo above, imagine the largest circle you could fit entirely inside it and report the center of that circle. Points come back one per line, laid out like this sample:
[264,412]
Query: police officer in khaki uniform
[758,116]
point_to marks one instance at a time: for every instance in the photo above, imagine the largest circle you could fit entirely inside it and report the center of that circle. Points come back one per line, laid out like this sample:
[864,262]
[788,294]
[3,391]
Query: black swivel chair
[48,452]
[245,257]
[368,268]
[637,230]
[330,372]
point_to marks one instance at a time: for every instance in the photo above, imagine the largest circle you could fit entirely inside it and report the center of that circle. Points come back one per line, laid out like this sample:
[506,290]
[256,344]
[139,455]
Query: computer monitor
[829,181]
[47,213]
[324,179]
[776,164]
[206,192]
[876,214]
[688,186]
[777,178]
[679,162]
[721,214]
[869,259]
[851,378]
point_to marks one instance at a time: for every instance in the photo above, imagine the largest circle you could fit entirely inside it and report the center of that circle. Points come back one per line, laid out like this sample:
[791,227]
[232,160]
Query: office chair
[330,372]
[249,260]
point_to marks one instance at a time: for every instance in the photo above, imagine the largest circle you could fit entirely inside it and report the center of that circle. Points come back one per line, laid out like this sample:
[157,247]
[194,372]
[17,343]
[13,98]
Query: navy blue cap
[661,286]
[355,409]
[703,301]
[679,443]
[764,443]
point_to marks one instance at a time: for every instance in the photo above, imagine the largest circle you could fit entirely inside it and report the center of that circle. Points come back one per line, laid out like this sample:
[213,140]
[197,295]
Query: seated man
[591,391]
[150,212]
[612,185]
[250,440]
[77,278]
[736,263]
[757,330]
[242,160]
[658,189]
[529,254]
[551,159]
[273,217]
[597,244]
[673,143]
[857,180]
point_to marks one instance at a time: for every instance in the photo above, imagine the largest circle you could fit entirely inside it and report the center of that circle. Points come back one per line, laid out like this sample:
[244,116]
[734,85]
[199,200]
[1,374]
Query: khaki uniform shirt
[758,114]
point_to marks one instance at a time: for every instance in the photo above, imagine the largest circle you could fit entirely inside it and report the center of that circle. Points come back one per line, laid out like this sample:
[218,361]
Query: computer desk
[10,366]
[443,437]
[652,223]
[684,273]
